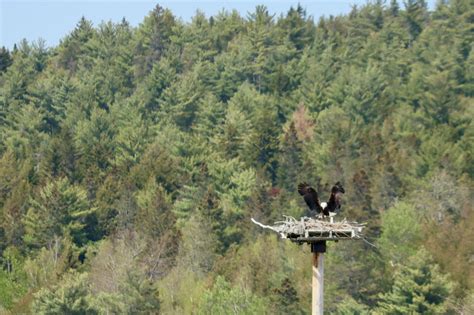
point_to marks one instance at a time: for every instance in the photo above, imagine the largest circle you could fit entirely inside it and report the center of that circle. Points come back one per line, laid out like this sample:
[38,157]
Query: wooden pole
[317,305]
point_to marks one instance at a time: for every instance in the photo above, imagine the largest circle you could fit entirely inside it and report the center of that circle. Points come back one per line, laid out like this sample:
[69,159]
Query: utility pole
[317,304]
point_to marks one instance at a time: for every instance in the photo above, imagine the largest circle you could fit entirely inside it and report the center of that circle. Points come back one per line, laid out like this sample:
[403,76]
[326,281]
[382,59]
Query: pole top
[318,247]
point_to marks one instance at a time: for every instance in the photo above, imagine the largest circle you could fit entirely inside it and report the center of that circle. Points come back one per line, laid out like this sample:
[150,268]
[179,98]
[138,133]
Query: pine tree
[401,233]
[287,298]
[72,49]
[5,59]
[154,217]
[289,164]
[161,76]
[153,38]
[138,154]
[297,27]
[60,209]
[132,135]
[70,297]
[94,139]
[260,40]
[14,191]
[394,8]
[415,17]
[181,100]
[419,288]
[230,136]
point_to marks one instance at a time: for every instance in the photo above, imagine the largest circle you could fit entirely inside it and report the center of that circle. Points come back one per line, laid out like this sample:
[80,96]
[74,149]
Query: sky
[51,20]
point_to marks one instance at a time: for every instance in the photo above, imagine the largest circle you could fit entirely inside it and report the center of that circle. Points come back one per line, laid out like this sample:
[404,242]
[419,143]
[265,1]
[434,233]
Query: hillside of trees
[132,159]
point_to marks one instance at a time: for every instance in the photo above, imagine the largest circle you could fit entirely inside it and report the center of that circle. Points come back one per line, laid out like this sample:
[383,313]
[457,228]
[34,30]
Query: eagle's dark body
[311,198]
[334,202]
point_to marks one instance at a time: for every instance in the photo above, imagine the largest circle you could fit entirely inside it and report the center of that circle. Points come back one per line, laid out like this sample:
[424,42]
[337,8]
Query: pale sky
[51,20]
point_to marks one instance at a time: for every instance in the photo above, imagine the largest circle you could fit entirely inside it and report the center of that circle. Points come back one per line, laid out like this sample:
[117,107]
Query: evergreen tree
[260,39]
[415,17]
[160,78]
[230,136]
[289,164]
[154,217]
[401,233]
[418,288]
[154,36]
[14,189]
[70,297]
[298,27]
[72,49]
[181,100]
[287,299]
[394,7]
[132,135]
[94,139]
[5,59]
[60,209]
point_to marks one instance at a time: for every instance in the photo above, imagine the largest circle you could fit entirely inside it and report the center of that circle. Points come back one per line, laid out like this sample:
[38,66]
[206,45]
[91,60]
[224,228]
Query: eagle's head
[337,188]
[324,205]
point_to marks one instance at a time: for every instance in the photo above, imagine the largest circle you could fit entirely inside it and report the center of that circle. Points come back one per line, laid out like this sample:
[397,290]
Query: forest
[132,159]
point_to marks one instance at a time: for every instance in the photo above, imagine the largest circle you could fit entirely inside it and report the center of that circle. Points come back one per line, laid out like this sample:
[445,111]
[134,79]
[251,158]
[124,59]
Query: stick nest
[291,228]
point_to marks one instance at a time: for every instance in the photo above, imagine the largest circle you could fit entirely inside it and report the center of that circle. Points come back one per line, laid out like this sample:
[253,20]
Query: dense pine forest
[132,159]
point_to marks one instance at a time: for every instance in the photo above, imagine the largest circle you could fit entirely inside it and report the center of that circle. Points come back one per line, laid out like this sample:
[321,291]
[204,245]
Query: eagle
[311,198]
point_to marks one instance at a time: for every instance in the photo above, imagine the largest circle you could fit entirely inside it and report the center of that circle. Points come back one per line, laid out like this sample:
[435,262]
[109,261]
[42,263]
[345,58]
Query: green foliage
[13,281]
[418,288]
[72,296]
[181,291]
[272,270]
[60,209]
[50,263]
[68,298]
[225,299]
[197,251]
[14,186]
[154,209]
[5,59]
[230,136]
[351,307]
[138,296]
[72,51]
[132,136]
[401,233]
[286,298]
[132,158]
[154,36]
[95,140]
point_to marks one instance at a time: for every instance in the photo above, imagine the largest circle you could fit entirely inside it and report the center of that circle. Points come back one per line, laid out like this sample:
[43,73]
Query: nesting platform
[316,232]
[313,230]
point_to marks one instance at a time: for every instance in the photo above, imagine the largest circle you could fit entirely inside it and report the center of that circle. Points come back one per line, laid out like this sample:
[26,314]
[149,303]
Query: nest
[314,229]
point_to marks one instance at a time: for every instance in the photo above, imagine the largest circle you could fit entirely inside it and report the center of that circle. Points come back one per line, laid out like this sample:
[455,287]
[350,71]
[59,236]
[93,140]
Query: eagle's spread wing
[310,197]
[334,202]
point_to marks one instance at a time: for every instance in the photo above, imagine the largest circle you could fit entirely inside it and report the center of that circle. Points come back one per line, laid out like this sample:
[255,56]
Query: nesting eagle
[311,198]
